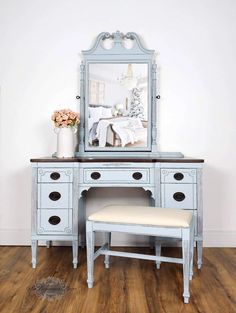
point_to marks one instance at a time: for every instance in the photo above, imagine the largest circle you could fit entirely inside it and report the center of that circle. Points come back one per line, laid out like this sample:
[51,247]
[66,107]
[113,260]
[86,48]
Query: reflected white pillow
[106,112]
[96,113]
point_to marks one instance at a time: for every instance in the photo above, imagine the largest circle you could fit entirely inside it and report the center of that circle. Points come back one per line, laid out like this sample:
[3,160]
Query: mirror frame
[118,54]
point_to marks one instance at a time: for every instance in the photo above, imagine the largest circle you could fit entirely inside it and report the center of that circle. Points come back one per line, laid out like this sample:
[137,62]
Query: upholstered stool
[140,220]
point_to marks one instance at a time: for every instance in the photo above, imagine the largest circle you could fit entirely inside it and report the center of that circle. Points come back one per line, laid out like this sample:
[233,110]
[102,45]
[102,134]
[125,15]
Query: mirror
[118,97]
[117,105]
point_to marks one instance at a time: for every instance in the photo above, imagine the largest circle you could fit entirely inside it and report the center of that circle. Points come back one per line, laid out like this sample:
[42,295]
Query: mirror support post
[82,108]
[154,110]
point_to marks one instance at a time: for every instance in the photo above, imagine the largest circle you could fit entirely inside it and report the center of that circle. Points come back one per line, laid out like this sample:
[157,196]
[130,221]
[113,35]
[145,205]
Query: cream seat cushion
[142,215]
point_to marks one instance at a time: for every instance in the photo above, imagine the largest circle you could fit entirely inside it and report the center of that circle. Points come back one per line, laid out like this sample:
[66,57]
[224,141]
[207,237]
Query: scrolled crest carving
[118,40]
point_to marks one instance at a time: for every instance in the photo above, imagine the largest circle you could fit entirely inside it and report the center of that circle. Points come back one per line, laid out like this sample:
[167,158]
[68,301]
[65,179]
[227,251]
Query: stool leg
[75,252]
[34,246]
[199,254]
[82,220]
[90,252]
[158,251]
[191,251]
[108,242]
[48,243]
[186,262]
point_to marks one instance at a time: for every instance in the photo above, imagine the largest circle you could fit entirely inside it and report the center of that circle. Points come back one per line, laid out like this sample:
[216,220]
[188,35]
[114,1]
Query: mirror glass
[117,105]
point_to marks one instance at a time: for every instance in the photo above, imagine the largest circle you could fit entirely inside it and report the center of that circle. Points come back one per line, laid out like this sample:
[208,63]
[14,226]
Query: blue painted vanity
[58,206]
[117,146]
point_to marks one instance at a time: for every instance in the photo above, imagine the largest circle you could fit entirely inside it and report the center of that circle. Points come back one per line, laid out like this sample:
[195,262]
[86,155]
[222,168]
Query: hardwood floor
[129,286]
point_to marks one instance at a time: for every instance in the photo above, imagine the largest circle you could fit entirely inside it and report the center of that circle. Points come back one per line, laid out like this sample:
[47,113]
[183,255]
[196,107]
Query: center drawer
[116,176]
[55,196]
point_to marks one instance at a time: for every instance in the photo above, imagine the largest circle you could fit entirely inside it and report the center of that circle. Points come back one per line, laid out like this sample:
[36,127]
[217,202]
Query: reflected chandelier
[128,80]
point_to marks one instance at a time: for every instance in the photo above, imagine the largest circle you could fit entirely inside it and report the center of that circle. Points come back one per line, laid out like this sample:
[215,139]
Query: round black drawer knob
[54,220]
[137,175]
[95,175]
[55,175]
[178,176]
[54,196]
[179,196]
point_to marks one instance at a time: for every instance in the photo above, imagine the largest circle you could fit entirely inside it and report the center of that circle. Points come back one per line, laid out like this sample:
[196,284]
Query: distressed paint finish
[65,209]
[186,251]
[200,218]
[90,253]
[152,181]
[185,234]
[117,54]
[108,243]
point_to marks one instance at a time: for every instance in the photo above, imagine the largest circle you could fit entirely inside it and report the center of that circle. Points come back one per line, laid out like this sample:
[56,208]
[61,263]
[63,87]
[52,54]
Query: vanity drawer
[55,196]
[178,176]
[179,196]
[116,176]
[54,221]
[55,175]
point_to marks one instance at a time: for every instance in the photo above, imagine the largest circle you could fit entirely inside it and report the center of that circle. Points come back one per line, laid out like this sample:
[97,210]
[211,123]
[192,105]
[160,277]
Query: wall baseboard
[212,238]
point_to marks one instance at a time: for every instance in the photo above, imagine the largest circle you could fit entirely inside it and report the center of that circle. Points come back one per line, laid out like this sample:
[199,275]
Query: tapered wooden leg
[90,252]
[191,251]
[108,242]
[199,254]
[82,220]
[34,245]
[75,253]
[158,251]
[186,262]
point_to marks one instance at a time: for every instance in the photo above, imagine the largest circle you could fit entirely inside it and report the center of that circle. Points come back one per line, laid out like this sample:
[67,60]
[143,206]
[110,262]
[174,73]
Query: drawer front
[116,176]
[182,196]
[178,176]
[55,175]
[55,196]
[54,221]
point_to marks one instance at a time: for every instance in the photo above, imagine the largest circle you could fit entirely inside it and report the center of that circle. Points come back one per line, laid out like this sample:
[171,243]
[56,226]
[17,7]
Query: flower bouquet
[65,118]
[65,122]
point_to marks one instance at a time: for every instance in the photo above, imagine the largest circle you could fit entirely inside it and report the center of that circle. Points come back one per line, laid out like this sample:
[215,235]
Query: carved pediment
[118,45]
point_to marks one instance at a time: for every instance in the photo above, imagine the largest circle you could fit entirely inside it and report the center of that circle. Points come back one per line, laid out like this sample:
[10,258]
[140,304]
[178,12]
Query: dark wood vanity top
[119,159]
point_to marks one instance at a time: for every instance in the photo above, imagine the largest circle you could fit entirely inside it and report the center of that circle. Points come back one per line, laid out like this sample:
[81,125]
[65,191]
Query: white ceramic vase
[65,141]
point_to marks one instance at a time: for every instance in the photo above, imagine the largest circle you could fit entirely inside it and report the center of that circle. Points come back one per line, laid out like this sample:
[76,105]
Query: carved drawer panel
[55,175]
[178,176]
[54,221]
[116,176]
[182,196]
[55,196]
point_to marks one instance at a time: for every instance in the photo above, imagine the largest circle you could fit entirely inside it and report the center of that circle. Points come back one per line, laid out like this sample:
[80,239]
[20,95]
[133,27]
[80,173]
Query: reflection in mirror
[118,105]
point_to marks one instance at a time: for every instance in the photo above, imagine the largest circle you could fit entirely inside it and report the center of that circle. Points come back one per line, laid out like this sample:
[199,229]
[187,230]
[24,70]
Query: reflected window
[97,92]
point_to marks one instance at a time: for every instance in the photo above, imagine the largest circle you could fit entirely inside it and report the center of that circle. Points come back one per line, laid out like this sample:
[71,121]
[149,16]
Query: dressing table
[113,151]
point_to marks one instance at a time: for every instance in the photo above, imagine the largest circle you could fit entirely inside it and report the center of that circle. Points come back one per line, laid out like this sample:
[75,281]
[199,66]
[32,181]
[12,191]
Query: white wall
[40,49]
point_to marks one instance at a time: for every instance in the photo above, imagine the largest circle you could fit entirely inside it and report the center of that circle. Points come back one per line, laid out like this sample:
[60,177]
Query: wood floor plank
[129,286]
